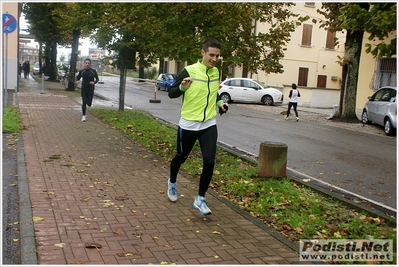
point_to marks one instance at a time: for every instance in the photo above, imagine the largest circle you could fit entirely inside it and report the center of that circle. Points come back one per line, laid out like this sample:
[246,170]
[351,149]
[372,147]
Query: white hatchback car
[248,91]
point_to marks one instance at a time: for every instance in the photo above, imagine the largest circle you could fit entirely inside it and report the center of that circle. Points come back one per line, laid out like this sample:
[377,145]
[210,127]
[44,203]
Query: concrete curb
[27,234]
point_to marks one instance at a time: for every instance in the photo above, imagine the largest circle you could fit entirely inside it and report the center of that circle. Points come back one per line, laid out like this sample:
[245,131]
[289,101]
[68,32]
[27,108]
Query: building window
[303,77]
[385,73]
[330,42]
[307,35]
[321,81]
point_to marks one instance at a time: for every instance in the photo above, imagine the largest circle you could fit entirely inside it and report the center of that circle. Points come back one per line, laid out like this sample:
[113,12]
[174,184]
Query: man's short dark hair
[293,86]
[211,42]
[88,59]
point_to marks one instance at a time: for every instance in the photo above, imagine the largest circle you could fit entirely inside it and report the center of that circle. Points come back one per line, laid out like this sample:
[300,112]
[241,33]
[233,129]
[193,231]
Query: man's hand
[223,108]
[186,83]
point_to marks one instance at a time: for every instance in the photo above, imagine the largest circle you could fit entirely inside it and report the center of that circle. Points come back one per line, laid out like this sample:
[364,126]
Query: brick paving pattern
[99,198]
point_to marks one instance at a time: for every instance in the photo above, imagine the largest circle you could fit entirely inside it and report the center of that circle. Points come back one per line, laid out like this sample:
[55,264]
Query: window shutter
[303,77]
[330,42]
[307,35]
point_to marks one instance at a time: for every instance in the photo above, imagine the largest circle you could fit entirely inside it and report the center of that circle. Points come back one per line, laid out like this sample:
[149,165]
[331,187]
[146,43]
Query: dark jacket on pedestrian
[88,75]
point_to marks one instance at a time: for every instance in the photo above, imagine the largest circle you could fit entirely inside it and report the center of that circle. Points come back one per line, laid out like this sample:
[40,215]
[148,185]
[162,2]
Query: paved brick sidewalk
[90,184]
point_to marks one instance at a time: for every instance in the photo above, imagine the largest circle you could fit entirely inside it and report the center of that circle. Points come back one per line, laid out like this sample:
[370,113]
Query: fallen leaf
[109,184]
[337,235]
[60,245]
[37,218]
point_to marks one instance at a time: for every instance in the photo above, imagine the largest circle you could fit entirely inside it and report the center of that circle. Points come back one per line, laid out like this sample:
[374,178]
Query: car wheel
[225,97]
[365,117]
[388,129]
[267,100]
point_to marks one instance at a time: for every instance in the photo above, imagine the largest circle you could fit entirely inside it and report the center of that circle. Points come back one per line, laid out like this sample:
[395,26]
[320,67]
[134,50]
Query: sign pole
[9,24]
[5,76]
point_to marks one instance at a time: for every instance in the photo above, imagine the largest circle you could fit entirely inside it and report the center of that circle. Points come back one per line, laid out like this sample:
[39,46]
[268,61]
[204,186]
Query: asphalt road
[360,163]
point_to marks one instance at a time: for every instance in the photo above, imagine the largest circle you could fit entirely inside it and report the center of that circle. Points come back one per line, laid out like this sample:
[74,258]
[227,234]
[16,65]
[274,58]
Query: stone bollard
[272,160]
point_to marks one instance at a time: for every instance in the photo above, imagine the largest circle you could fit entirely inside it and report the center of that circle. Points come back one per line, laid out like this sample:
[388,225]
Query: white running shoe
[200,204]
[84,118]
[172,191]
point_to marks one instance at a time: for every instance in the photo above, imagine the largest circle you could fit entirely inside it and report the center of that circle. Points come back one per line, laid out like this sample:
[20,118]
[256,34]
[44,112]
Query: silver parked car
[249,91]
[381,109]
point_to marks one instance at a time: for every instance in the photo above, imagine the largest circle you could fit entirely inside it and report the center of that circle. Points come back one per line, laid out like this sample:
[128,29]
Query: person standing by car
[26,67]
[198,83]
[294,94]
[89,78]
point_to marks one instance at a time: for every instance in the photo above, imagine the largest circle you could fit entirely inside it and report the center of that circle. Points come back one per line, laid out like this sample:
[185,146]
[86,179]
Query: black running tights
[87,98]
[185,142]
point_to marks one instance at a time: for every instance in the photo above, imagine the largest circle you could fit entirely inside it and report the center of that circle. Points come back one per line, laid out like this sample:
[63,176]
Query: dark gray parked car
[381,109]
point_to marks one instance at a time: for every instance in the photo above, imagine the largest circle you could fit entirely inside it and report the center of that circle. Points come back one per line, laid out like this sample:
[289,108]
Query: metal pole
[42,92]
[15,96]
[5,76]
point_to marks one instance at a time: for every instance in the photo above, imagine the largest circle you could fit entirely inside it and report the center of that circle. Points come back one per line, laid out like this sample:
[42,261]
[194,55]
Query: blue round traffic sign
[9,23]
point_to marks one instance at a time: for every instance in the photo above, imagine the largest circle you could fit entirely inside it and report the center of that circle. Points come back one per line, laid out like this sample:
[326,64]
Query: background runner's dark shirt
[88,75]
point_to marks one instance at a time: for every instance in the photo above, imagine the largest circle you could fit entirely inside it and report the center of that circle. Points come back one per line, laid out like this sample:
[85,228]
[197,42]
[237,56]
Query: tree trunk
[40,59]
[74,59]
[350,73]
[141,66]
[53,61]
[122,86]
[160,66]
[341,96]
[46,56]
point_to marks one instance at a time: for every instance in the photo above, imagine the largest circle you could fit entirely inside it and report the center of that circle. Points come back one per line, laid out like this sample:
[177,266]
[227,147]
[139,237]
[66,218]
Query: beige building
[309,61]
